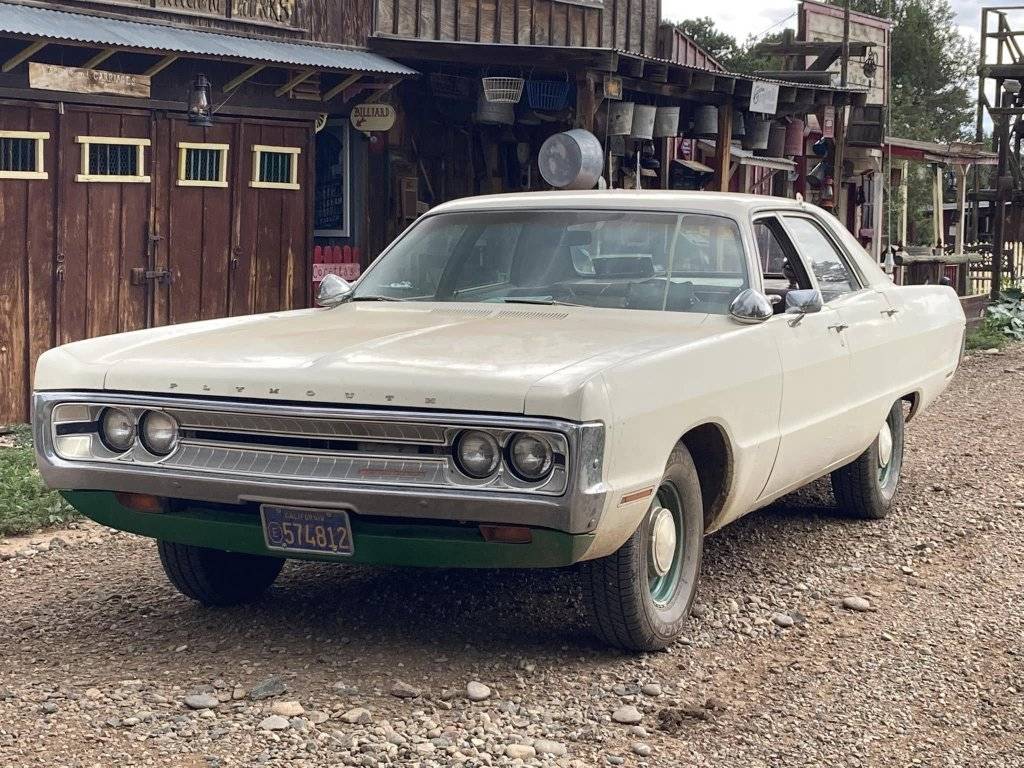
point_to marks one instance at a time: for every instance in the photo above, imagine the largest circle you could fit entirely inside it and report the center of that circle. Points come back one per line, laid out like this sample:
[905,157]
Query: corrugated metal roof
[47,24]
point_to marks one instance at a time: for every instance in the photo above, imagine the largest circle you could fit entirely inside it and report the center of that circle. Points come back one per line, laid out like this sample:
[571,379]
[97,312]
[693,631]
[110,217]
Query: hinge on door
[140,275]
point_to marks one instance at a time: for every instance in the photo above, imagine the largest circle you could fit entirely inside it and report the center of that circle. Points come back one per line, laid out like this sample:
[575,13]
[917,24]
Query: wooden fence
[979,275]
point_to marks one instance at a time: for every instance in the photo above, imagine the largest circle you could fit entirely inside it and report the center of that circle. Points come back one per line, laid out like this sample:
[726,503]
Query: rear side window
[819,253]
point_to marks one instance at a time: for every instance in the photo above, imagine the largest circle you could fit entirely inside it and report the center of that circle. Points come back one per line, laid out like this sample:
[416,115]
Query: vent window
[112,159]
[21,154]
[275,167]
[202,165]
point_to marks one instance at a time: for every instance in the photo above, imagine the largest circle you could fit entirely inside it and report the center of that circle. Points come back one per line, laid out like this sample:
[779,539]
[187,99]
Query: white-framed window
[202,165]
[113,159]
[21,154]
[332,200]
[275,167]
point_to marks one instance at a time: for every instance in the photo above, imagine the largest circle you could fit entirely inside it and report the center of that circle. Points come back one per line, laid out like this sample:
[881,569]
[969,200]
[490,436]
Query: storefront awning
[43,24]
[746,157]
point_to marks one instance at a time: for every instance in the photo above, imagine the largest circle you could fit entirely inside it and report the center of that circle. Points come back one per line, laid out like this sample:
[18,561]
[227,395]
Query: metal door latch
[838,327]
[140,275]
[890,312]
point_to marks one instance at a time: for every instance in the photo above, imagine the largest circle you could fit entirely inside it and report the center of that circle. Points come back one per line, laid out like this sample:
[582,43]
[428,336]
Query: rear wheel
[216,577]
[640,596]
[866,487]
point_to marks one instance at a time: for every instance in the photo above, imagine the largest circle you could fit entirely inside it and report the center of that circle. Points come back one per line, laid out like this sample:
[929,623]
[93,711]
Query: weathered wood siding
[624,24]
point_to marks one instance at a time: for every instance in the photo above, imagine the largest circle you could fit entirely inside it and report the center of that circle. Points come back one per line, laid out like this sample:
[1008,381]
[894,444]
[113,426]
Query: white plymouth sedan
[530,380]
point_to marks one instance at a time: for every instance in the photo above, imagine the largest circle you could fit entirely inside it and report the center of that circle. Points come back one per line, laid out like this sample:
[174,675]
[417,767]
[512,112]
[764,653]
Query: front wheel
[640,596]
[866,487]
[216,577]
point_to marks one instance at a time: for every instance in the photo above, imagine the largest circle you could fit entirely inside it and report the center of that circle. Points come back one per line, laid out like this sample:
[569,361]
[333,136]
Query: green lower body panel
[448,545]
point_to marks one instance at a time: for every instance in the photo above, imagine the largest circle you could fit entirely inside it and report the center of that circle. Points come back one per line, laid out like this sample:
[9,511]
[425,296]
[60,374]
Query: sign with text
[345,270]
[764,97]
[372,118]
[50,77]
[828,122]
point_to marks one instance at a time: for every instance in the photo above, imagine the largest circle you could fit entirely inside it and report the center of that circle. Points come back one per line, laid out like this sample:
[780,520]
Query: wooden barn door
[102,229]
[230,248]
[27,254]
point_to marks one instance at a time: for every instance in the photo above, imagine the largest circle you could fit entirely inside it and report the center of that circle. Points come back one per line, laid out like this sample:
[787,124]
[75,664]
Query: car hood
[477,357]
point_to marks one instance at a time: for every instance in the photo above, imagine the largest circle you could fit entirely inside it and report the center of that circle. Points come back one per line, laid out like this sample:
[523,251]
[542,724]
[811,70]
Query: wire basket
[503,90]
[445,86]
[549,95]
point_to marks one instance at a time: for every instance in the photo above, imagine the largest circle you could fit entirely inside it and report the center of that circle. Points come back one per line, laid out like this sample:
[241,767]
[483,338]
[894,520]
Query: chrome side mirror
[333,291]
[803,302]
[750,307]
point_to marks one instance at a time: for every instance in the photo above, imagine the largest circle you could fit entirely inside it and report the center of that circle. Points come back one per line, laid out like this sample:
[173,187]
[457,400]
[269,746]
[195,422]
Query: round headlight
[159,432]
[477,454]
[529,456]
[117,429]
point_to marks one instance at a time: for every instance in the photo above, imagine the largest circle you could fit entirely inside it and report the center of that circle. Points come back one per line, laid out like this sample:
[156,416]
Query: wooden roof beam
[330,93]
[301,77]
[631,66]
[99,58]
[703,81]
[249,73]
[24,54]
[161,65]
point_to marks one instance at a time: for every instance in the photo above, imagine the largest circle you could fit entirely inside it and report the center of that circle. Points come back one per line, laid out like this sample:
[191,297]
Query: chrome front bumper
[576,510]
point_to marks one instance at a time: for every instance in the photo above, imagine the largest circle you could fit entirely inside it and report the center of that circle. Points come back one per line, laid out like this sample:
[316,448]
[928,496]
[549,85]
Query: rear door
[815,375]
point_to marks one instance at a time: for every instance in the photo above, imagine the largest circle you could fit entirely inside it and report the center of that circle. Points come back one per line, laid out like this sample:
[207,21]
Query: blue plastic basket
[550,95]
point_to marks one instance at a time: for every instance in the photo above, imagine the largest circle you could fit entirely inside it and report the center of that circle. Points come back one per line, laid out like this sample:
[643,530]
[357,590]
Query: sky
[741,18]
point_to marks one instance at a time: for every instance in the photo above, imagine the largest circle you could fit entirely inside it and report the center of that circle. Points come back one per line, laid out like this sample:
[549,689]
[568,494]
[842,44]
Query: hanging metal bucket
[705,122]
[756,136]
[571,160]
[620,118]
[495,112]
[643,122]
[739,128]
[795,137]
[666,122]
[776,140]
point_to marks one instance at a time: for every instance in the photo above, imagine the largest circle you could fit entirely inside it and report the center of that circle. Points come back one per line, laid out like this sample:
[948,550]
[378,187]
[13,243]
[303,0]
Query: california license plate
[296,529]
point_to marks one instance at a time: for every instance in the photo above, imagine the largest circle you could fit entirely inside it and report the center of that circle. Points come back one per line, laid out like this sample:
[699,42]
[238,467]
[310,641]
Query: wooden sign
[828,122]
[372,118]
[266,11]
[764,97]
[50,77]
[613,87]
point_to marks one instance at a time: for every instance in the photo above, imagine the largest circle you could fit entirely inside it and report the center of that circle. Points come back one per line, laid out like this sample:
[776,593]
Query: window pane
[18,154]
[276,167]
[769,249]
[834,277]
[202,164]
[113,159]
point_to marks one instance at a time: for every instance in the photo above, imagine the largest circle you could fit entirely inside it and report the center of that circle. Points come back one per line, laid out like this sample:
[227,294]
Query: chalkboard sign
[331,200]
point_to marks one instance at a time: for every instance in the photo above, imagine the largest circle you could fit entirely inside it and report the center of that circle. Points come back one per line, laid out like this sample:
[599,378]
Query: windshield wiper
[376,298]
[536,300]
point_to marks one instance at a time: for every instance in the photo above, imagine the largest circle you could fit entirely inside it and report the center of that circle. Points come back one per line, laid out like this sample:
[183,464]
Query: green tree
[734,56]
[932,66]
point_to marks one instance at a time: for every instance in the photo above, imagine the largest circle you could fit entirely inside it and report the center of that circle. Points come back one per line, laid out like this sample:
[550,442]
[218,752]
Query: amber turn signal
[141,502]
[506,534]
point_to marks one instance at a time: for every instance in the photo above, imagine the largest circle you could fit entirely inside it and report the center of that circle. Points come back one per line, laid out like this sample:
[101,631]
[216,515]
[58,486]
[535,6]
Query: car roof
[727,203]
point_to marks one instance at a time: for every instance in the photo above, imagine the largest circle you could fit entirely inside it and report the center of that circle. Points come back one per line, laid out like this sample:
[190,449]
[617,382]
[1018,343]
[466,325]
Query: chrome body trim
[282,476]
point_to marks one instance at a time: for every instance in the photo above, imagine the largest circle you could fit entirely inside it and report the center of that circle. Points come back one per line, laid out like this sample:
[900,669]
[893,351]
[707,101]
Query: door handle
[890,312]
[838,327]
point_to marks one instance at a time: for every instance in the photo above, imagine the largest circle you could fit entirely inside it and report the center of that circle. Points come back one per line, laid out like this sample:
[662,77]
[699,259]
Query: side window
[834,277]
[770,252]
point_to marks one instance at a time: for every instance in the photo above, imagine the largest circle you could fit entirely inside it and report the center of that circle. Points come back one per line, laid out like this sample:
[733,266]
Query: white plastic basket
[503,90]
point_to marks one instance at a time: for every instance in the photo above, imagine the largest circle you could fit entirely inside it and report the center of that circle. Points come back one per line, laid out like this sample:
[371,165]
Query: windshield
[679,262]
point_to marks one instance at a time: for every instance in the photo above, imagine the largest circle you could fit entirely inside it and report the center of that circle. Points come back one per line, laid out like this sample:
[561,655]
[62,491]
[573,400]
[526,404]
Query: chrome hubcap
[663,540]
[885,445]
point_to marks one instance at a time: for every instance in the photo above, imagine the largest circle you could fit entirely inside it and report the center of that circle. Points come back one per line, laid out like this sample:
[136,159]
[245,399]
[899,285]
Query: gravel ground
[103,664]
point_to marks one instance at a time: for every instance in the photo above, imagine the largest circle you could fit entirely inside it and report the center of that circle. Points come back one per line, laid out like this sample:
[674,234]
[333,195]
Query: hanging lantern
[795,137]
[738,125]
[666,122]
[870,65]
[705,122]
[199,110]
[756,136]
